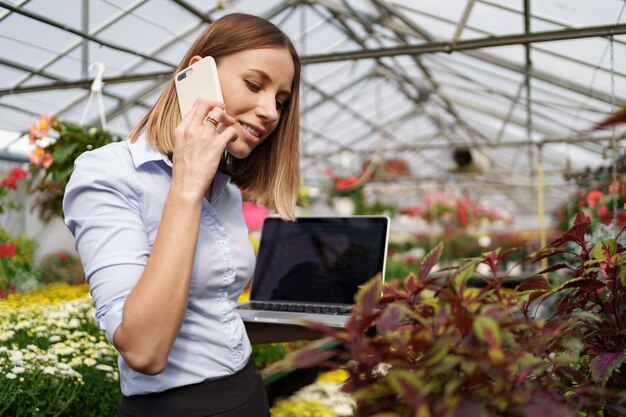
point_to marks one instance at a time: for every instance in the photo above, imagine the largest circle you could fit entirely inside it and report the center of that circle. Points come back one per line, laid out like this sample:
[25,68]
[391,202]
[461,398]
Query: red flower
[15,174]
[7,250]
[592,197]
[62,256]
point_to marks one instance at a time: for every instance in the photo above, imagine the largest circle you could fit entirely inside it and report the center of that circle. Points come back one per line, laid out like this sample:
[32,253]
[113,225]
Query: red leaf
[614,119]
[430,260]
[546,410]
[576,233]
[536,282]
[603,365]
[583,283]
[389,319]
[368,296]
[411,283]
[554,268]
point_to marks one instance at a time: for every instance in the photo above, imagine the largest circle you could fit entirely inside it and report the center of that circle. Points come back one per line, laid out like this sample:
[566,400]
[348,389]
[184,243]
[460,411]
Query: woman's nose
[267,109]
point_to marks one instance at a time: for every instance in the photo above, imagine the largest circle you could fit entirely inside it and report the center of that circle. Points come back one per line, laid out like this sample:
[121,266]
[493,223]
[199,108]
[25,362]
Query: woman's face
[256,85]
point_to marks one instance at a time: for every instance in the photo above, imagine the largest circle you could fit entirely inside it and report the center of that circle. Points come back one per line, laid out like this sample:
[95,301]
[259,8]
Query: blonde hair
[271,173]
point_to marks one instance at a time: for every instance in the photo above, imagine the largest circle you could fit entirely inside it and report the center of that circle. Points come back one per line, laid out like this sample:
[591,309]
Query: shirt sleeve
[103,211]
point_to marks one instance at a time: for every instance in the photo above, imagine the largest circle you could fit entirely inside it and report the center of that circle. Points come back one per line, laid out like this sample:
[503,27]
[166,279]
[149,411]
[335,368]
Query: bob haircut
[271,173]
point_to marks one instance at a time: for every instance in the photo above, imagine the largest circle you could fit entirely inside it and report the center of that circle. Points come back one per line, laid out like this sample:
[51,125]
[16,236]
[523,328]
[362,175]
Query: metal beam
[466,45]
[84,83]
[205,17]
[510,144]
[79,33]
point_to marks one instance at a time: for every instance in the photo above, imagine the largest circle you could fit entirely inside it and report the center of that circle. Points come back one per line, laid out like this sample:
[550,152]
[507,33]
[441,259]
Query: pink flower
[254,215]
[39,156]
[614,187]
[603,210]
[40,129]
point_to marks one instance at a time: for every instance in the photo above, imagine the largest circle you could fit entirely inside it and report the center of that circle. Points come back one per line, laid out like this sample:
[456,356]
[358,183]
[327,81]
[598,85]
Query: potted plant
[52,159]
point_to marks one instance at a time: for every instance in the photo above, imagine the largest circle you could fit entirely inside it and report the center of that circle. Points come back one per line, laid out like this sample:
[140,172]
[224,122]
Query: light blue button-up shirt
[113,205]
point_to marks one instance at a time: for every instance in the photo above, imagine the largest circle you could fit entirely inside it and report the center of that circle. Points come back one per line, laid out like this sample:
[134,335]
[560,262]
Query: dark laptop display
[317,260]
[316,264]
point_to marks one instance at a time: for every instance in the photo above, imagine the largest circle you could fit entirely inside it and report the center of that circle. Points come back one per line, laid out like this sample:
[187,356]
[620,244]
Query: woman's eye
[252,86]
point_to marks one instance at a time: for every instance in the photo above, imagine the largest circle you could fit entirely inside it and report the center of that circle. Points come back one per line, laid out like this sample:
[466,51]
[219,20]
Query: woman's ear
[194,59]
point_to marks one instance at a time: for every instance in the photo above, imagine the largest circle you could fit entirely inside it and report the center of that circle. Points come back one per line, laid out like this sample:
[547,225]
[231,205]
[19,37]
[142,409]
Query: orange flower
[39,156]
[40,129]
[345,184]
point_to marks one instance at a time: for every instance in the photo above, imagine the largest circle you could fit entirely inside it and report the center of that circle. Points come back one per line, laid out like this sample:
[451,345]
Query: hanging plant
[52,159]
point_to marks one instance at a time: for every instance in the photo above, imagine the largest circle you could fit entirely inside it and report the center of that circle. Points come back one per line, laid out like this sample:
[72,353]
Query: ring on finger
[210,118]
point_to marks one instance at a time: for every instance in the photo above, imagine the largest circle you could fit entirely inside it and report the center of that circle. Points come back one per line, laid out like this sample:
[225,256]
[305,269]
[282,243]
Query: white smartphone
[197,80]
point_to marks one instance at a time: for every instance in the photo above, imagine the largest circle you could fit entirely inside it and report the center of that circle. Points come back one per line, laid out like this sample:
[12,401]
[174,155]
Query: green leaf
[602,246]
[603,365]
[487,330]
[406,384]
[464,274]
[61,153]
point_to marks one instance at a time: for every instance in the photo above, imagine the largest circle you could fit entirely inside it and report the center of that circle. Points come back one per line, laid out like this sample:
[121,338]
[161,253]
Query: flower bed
[55,361]
[53,358]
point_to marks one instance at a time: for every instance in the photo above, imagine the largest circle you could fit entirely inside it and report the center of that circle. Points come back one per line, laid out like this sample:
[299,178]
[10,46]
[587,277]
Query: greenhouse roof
[517,83]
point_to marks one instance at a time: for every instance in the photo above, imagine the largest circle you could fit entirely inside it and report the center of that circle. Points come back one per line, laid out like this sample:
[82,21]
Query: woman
[160,231]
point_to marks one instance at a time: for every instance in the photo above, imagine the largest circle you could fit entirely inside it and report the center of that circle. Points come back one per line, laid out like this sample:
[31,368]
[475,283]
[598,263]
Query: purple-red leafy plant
[593,302]
[432,346]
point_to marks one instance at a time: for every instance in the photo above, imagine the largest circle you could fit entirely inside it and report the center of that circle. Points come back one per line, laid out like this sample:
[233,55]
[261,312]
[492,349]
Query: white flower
[55,338]
[89,361]
[105,368]
[49,370]
[75,362]
[4,336]
[11,376]
[18,370]
[16,356]
[381,369]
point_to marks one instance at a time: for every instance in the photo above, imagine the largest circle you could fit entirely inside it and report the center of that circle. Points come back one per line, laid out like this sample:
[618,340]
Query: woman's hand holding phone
[198,142]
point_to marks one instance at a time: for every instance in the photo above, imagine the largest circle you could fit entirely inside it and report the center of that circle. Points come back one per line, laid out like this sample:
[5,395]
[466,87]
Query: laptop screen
[318,259]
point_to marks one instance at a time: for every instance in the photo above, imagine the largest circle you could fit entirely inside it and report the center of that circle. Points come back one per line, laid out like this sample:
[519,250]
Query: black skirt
[241,394]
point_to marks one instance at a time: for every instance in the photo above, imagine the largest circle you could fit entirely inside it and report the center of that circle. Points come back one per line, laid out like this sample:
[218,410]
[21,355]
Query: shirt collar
[142,152]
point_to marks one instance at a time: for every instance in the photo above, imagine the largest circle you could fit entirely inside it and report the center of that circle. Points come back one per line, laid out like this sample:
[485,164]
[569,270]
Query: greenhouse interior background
[480,123]
[399,87]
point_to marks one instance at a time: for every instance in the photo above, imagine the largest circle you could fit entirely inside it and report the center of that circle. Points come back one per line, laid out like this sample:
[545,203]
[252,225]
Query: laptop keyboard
[302,308]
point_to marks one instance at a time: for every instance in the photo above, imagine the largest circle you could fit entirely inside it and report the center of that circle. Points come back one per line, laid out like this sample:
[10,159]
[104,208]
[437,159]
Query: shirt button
[229,272]
[221,298]
[238,355]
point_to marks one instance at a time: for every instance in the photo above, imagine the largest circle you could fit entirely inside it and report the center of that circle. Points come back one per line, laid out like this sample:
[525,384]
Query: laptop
[311,269]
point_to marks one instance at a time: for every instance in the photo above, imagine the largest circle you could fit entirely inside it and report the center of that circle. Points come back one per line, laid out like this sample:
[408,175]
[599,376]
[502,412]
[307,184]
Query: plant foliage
[435,347]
